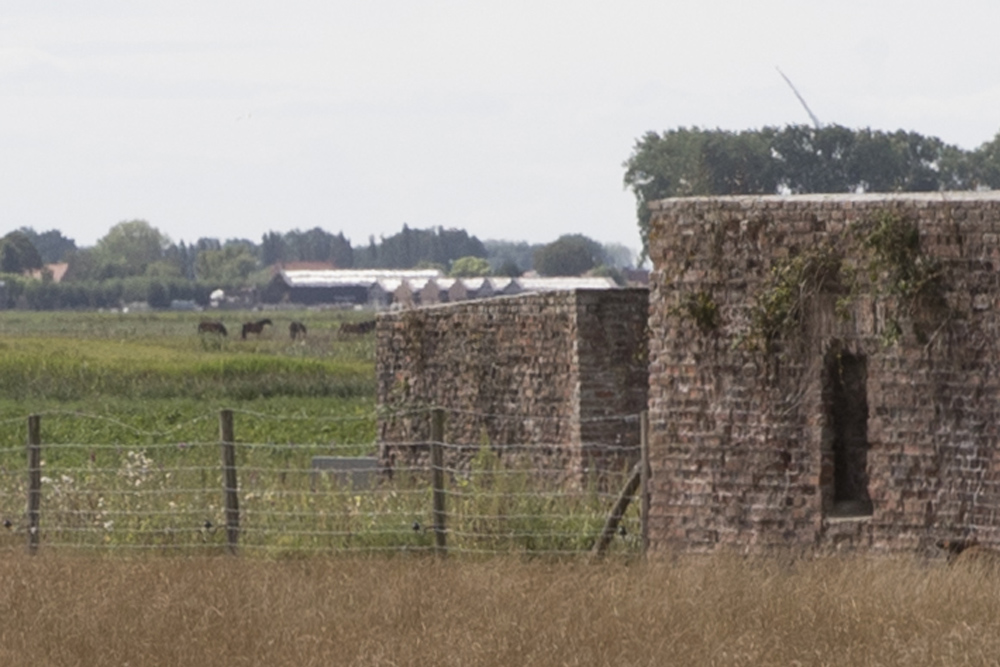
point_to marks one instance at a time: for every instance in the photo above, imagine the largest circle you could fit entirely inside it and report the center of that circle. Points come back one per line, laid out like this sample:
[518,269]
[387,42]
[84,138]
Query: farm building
[381,288]
[340,286]
[564,368]
[825,371]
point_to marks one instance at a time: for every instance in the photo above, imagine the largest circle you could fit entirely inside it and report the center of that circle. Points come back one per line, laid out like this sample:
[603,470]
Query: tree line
[135,261]
[798,159]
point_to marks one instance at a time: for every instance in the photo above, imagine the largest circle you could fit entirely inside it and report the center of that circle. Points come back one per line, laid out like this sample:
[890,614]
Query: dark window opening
[846,435]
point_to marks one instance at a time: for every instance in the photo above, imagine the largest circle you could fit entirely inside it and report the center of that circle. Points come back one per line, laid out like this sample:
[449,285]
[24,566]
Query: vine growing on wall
[898,271]
[882,258]
[778,307]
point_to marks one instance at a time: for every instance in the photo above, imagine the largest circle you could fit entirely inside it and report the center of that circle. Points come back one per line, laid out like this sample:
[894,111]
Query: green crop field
[137,378]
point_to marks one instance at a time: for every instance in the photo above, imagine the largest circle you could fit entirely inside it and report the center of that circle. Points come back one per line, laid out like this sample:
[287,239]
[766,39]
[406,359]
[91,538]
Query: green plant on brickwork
[898,270]
[779,305]
[887,255]
[702,309]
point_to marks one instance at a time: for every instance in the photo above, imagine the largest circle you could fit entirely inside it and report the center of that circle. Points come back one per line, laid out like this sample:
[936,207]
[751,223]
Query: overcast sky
[510,119]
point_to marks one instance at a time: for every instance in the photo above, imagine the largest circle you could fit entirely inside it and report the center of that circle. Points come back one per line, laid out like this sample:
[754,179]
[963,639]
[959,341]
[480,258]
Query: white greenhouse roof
[346,278]
[564,283]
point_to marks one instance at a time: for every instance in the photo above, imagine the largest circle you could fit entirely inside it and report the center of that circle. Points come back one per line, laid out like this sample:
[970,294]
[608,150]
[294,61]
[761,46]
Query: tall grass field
[720,611]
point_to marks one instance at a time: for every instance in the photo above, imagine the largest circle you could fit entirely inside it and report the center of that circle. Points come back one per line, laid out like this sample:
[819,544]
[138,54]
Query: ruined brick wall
[612,366]
[866,419]
[558,368]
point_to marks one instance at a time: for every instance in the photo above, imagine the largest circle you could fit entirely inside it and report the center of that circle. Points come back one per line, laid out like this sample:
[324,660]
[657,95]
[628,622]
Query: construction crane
[815,120]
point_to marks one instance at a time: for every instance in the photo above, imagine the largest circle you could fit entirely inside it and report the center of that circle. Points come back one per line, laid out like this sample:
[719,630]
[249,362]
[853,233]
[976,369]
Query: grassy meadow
[129,406]
[135,378]
[718,611]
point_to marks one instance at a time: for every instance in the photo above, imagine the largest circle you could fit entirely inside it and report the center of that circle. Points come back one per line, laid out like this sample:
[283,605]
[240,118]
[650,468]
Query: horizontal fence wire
[534,498]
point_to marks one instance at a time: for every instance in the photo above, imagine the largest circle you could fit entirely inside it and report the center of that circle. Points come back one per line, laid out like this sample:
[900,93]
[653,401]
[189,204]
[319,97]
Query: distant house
[57,271]
[503,285]
[457,291]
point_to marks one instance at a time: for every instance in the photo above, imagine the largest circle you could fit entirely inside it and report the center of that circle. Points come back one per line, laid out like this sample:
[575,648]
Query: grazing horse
[206,326]
[970,552]
[253,327]
[357,327]
[296,329]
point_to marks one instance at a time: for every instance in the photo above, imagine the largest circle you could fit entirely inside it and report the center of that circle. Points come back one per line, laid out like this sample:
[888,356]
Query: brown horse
[253,327]
[207,326]
[357,327]
[296,329]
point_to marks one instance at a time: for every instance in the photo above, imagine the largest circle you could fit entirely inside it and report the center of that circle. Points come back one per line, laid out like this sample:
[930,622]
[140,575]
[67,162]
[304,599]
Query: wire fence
[275,499]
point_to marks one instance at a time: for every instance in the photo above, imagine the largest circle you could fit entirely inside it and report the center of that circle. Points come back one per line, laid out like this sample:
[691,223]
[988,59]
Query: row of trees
[800,159]
[136,261]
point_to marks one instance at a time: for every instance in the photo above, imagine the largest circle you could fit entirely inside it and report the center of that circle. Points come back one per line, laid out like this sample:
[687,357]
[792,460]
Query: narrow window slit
[845,435]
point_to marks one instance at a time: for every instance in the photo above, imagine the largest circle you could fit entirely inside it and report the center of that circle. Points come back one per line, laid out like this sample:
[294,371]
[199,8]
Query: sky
[509,119]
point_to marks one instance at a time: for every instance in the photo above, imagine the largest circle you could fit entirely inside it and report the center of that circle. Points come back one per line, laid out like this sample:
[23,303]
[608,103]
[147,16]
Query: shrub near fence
[185,497]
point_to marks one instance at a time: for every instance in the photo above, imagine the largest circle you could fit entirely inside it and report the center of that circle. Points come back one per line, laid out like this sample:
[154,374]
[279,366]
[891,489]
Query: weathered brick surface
[556,368]
[738,450]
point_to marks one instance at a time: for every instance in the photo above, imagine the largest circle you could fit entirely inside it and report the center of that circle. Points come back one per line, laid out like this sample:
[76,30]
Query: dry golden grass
[73,610]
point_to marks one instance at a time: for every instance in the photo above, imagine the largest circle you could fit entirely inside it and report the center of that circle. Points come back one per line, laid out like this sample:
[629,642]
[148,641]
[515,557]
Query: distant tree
[984,170]
[129,247]
[272,249]
[408,248]
[341,252]
[157,295]
[369,255]
[233,263]
[793,159]
[309,246]
[469,267]
[314,245]
[206,243]
[83,266]
[569,255]
[607,271]
[18,254]
[508,253]
[163,269]
[52,246]
[618,255]
[665,165]
[179,255]
[508,268]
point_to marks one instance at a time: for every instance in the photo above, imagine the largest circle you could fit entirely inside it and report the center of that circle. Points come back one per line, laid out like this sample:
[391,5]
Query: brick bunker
[560,375]
[824,371]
